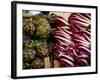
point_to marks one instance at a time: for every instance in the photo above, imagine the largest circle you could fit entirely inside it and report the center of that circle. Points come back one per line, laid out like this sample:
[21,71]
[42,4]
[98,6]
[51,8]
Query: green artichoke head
[37,63]
[28,54]
[42,26]
[42,49]
[28,26]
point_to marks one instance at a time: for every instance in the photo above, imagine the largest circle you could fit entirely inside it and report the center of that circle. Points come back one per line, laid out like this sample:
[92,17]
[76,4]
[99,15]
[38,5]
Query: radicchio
[73,47]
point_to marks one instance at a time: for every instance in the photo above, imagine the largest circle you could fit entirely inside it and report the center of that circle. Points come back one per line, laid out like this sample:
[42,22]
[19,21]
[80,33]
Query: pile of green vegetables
[37,40]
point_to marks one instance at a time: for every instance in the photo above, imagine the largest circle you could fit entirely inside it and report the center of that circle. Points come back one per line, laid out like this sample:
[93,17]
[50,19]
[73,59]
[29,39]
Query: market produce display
[50,38]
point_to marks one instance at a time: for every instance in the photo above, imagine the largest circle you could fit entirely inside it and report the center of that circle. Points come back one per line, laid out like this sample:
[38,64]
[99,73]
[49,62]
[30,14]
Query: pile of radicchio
[73,47]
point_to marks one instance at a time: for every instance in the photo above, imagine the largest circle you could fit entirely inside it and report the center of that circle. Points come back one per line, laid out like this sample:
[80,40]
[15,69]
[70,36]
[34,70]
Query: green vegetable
[40,46]
[28,26]
[42,26]
[42,49]
[37,63]
[34,43]
[29,54]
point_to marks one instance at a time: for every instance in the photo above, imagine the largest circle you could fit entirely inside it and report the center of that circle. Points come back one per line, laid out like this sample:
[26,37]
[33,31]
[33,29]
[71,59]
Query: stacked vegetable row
[73,47]
[35,48]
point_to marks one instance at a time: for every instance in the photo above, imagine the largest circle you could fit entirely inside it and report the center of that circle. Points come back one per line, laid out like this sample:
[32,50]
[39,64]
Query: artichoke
[42,26]
[29,54]
[28,26]
[40,46]
[37,63]
[42,49]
